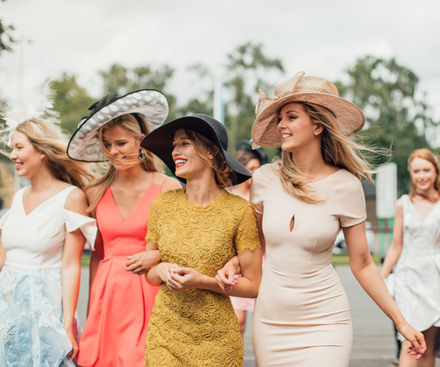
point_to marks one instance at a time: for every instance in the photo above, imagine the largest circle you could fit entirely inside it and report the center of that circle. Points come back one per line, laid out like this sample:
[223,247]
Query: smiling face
[295,127]
[423,174]
[28,161]
[187,161]
[121,147]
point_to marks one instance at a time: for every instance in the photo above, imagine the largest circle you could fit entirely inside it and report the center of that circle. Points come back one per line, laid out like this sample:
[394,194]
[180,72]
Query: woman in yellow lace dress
[197,230]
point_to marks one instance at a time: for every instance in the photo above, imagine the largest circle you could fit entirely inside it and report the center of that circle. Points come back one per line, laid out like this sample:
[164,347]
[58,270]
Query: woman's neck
[311,163]
[131,175]
[431,194]
[42,181]
[202,191]
[243,189]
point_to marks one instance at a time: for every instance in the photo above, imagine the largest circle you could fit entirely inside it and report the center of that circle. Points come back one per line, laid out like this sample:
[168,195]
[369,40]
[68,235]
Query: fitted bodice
[420,235]
[121,237]
[36,240]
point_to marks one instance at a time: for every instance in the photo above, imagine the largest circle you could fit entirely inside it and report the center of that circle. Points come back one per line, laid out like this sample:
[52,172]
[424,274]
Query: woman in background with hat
[197,231]
[302,315]
[120,300]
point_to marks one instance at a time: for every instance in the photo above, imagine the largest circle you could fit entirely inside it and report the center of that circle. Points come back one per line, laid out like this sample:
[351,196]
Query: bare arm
[395,249]
[368,276]
[71,266]
[2,249]
[2,256]
[155,275]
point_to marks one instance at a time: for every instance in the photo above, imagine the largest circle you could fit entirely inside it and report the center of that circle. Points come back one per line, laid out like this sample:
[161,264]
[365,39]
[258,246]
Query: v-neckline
[418,214]
[135,207]
[41,204]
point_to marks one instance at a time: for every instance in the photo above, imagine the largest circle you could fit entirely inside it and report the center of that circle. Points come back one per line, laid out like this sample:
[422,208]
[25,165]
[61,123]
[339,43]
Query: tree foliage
[397,117]
[6,38]
[71,101]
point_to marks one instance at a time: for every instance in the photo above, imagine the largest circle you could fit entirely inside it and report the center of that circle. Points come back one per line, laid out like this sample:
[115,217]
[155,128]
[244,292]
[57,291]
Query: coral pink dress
[120,301]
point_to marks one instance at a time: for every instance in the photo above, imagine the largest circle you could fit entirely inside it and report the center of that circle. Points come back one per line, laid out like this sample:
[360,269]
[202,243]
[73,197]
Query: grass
[343,259]
[336,260]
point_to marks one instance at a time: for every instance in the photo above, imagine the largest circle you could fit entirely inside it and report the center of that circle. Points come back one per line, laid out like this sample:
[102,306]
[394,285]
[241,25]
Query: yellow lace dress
[197,327]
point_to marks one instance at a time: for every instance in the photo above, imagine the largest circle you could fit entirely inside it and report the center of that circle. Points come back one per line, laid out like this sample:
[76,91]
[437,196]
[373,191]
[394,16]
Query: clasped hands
[177,278]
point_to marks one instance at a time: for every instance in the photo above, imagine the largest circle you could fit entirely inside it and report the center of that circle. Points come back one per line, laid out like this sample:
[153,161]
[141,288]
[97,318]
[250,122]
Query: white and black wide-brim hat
[84,145]
[160,142]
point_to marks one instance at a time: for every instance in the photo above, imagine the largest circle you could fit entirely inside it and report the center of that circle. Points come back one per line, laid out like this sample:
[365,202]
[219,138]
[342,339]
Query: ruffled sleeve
[87,225]
[351,201]
[246,237]
[3,219]
[260,180]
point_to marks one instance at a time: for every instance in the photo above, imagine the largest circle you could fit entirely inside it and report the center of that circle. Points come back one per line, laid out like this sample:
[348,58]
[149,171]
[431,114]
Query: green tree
[71,101]
[247,70]
[121,80]
[6,39]
[397,117]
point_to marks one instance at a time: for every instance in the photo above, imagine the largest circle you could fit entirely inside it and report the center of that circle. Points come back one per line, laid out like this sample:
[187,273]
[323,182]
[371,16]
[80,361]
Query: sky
[320,37]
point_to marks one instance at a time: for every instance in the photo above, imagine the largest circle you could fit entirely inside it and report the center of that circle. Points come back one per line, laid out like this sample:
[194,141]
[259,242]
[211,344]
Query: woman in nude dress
[302,315]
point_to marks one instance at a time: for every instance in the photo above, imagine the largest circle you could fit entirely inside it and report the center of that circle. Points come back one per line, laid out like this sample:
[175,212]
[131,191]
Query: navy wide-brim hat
[160,142]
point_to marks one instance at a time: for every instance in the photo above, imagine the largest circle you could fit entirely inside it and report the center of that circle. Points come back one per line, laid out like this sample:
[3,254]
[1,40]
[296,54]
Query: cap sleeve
[3,219]
[351,201]
[246,237]
[87,225]
[152,221]
[260,180]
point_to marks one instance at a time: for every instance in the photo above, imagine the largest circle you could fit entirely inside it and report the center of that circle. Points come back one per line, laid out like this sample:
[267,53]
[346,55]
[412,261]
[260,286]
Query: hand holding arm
[142,262]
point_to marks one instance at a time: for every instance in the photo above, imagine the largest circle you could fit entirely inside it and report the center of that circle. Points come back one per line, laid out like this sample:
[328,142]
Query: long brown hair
[336,148]
[221,168]
[48,139]
[427,155]
[148,161]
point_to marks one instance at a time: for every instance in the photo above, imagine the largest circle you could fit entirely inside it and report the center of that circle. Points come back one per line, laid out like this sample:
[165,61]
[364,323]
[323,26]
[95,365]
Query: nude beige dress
[302,315]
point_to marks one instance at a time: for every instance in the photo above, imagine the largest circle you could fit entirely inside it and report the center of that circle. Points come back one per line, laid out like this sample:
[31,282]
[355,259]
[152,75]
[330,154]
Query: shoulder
[76,201]
[238,203]
[347,182]
[167,183]
[266,173]
[91,192]
[168,196]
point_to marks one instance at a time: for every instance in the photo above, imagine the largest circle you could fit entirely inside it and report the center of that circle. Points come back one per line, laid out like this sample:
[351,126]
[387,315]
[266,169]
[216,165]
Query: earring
[141,154]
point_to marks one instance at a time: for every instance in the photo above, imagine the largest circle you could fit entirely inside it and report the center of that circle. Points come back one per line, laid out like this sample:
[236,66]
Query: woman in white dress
[416,246]
[42,239]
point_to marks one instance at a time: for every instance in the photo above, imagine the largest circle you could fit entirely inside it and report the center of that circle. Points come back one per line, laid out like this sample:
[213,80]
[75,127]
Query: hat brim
[349,116]
[84,145]
[160,143]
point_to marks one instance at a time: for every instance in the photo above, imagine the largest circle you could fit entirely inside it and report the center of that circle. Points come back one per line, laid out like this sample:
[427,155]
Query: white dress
[31,321]
[417,273]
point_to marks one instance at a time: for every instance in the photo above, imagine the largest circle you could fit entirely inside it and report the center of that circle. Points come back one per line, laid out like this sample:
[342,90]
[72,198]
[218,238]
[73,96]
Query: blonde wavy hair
[202,146]
[148,161]
[337,149]
[48,139]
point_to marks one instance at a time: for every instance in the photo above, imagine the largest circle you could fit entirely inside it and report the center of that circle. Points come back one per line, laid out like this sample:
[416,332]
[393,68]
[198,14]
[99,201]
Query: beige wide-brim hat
[300,88]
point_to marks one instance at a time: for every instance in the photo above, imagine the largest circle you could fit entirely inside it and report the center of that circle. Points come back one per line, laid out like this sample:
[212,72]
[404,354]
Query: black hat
[246,146]
[160,142]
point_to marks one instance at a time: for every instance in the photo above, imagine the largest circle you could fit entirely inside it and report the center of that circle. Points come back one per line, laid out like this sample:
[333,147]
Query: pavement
[373,345]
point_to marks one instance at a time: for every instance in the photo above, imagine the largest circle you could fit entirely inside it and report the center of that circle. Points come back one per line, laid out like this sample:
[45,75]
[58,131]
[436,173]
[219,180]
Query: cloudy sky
[320,37]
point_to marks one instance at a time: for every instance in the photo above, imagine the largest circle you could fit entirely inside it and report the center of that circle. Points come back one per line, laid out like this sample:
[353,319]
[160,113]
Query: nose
[175,152]
[12,156]
[113,150]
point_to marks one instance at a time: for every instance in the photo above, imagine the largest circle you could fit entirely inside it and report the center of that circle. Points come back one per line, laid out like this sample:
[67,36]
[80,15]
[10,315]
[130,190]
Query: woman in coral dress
[120,300]
[197,230]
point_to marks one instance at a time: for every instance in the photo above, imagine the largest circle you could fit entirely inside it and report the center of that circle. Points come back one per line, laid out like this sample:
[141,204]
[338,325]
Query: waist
[32,261]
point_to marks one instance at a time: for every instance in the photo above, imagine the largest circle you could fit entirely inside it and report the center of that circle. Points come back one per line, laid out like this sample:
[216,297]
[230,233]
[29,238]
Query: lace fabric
[197,327]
